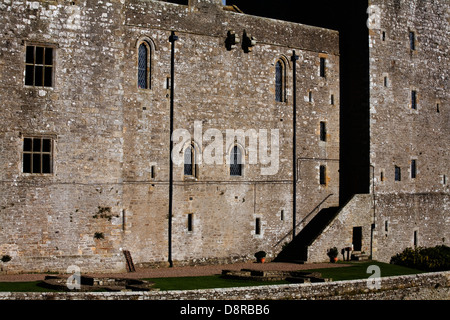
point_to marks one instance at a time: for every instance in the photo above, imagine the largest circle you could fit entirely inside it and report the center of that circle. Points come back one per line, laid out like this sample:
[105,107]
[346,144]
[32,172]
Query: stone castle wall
[110,139]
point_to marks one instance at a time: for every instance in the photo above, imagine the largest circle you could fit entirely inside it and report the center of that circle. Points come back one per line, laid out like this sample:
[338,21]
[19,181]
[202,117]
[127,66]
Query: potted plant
[260,256]
[333,253]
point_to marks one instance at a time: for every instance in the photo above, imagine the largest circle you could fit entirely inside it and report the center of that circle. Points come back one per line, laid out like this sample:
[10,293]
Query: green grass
[358,270]
[32,286]
[205,282]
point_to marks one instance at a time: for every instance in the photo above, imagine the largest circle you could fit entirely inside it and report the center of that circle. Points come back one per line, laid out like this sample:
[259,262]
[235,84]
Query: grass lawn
[205,282]
[32,286]
[358,270]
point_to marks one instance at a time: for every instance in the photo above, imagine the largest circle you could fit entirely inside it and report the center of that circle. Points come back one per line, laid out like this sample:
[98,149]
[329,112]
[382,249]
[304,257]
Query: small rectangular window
[398,174]
[323,131]
[385,81]
[413,99]
[415,238]
[282,215]
[190,222]
[322,175]
[258,226]
[39,66]
[37,155]
[382,176]
[310,96]
[412,40]
[413,169]
[386,226]
[437,108]
[322,67]
[444,179]
[332,99]
[383,36]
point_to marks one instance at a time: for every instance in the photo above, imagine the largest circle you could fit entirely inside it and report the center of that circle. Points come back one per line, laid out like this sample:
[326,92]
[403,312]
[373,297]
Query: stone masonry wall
[110,139]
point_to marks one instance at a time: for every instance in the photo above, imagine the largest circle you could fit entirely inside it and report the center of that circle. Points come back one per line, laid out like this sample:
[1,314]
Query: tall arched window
[280,81]
[236,162]
[189,161]
[144,64]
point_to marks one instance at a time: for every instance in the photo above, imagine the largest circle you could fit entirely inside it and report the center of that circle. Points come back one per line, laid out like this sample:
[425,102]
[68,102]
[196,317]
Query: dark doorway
[357,238]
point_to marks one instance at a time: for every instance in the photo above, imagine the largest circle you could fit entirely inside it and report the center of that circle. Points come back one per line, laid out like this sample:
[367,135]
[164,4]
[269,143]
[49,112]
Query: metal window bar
[143,67]
[39,66]
[279,82]
[37,156]
[236,162]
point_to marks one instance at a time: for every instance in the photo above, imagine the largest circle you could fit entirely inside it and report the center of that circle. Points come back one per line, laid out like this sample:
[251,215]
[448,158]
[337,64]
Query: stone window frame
[413,171]
[323,175]
[281,78]
[194,161]
[34,64]
[32,153]
[151,48]
[242,164]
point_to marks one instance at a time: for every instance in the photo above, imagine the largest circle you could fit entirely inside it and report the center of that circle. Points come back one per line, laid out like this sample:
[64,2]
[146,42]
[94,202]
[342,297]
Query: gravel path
[185,271]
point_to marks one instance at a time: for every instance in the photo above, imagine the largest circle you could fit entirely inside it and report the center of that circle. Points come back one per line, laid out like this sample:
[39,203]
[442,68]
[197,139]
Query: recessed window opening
[412,40]
[153,172]
[39,66]
[413,169]
[415,238]
[414,99]
[385,81]
[383,36]
[144,65]
[236,162]
[190,222]
[37,155]
[258,226]
[189,161]
[332,99]
[322,175]
[282,215]
[280,81]
[323,131]
[437,108]
[386,226]
[310,96]
[382,176]
[322,67]
[398,174]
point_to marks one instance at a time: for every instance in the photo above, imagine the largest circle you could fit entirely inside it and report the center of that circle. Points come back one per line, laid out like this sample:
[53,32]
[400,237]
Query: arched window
[144,64]
[189,161]
[280,81]
[236,162]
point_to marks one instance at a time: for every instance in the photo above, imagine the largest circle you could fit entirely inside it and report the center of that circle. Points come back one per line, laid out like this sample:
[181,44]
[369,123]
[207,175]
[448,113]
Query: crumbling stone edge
[426,286]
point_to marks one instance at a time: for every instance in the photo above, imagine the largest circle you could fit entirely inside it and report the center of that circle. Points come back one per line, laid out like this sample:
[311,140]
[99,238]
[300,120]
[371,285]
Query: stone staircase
[297,250]
[359,256]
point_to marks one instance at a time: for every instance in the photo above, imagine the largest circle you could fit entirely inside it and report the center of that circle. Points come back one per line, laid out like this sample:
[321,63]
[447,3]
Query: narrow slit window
[398,174]
[415,238]
[190,222]
[310,97]
[282,215]
[280,81]
[189,161]
[144,66]
[413,169]
[322,67]
[39,66]
[37,156]
[414,99]
[412,40]
[437,108]
[236,162]
[322,175]
[386,226]
[385,81]
[323,131]
[332,99]
[258,226]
